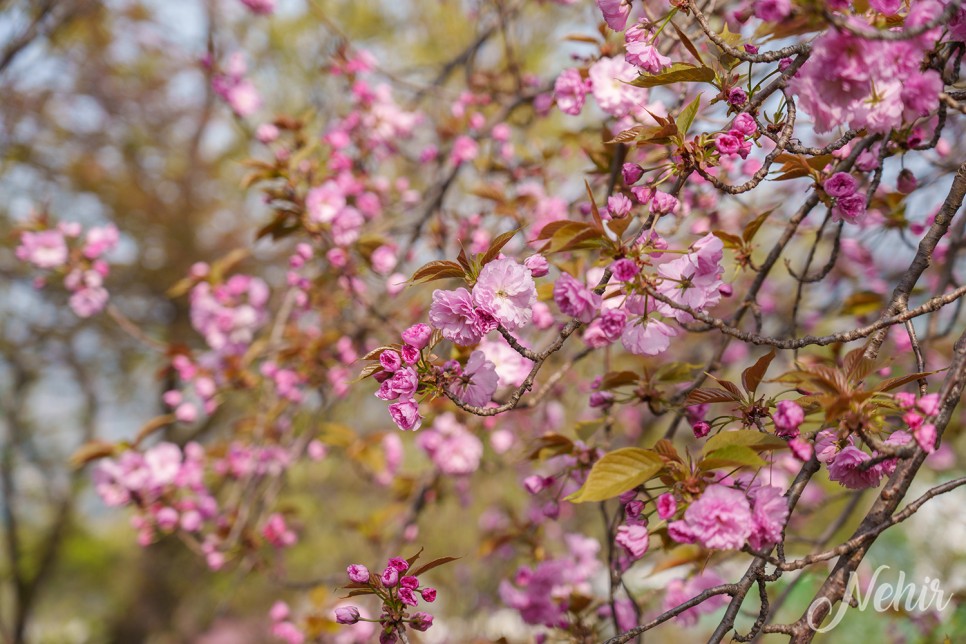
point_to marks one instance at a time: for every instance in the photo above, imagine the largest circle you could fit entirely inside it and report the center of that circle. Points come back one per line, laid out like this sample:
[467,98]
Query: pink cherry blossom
[506,289]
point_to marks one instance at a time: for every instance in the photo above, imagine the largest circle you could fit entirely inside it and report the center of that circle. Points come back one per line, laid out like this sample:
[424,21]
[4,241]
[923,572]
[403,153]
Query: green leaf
[676,73]
[687,116]
[732,456]
[744,437]
[675,372]
[617,472]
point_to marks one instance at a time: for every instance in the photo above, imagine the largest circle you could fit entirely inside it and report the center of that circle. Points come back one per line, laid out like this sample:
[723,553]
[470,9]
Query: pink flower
[647,336]
[428,593]
[570,90]
[575,299]
[772,10]
[421,621]
[100,240]
[417,335]
[457,317]
[399,564]
[624,270]
[88,301]
[920,93]
[745,124]
[464,149]
[506,289]
[646,56]
[926,437]
[263,7]
[390,577]
[667,505]
[701,428]
[324,202]
[44,249]
[688,285]
[840,184]
[609,79]
[478,381]
[663,203]
[720,520]
[347,615]
[769,512]
[851,208]
[886,7]
[615,13]
[631,173]
[787,417]
[727,145]
[451,446]
[618,206]
[679,591]
[801,449]
[537,265]
[277,533]
[279,611]
[402,384]
[634,539]
[906,182]
[844,467]
[390,360]
[928,404]
[406,415]
[358,573]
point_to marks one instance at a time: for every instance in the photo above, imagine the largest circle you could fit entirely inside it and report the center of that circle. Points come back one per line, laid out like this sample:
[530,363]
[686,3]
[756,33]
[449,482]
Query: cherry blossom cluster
[727,518]
[169,489]
[66,251]
[398,593]
[542,593]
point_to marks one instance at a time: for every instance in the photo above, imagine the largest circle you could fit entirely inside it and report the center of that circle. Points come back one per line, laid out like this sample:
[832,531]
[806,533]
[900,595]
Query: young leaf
[595,211]
[437,270]
[687,116]
[497,245]
[688,44]
[752,376]
[701,396]
[751,228]
[617,472]
[435,563]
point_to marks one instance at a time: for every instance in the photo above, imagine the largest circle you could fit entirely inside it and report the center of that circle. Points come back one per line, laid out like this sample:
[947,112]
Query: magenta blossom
[769,512]
[840,184]
[575,299]
[720,520]
[478,381]
[787,417]
[506,289]
[615,13]
[570,90]
[406,415]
